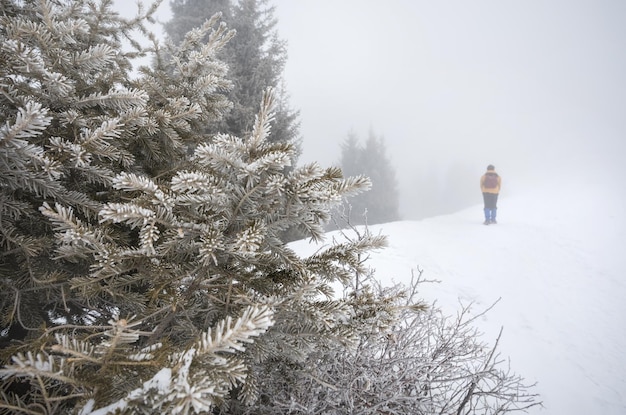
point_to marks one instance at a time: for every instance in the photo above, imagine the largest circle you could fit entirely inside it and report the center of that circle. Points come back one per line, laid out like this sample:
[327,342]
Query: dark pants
[491,205]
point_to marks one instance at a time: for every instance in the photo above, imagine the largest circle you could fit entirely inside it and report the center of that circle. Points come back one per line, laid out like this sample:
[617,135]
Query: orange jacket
[496,189]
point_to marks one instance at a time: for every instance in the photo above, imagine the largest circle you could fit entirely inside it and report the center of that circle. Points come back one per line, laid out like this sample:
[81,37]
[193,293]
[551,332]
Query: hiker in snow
[490,183]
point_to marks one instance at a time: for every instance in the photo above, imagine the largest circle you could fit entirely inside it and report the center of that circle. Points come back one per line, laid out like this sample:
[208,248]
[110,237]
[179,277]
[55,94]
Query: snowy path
[559,275]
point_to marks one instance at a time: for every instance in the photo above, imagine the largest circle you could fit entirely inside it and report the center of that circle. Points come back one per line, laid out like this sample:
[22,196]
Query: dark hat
[490,167]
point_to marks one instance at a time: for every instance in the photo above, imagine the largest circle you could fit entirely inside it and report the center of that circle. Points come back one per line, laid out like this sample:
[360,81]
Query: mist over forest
[534,88]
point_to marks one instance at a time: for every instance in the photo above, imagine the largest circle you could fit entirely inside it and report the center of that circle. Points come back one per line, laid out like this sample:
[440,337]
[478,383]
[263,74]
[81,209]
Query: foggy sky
[531,86]
[526,85]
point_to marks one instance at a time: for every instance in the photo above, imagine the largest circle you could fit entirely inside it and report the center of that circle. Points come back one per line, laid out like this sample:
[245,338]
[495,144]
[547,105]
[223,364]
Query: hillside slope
[556,264]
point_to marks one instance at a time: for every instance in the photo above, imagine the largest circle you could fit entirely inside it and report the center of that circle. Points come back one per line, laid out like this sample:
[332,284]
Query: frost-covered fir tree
[256,57]
[135,279]
[381,203]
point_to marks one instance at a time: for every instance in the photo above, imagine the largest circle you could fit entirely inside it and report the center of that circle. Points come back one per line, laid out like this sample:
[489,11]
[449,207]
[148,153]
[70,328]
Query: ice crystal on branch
[30,121]
[230,337]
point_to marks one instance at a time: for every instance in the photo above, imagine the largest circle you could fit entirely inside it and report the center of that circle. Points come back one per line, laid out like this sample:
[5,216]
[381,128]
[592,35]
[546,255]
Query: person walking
[490,184]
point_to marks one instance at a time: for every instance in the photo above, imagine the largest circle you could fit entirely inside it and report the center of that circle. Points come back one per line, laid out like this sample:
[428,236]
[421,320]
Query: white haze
[535,87]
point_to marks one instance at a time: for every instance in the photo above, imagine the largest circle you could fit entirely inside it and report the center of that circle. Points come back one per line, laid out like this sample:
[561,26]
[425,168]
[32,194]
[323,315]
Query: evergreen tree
[133,280]
[351,153]
[190,14]
[256,59]
[381,203]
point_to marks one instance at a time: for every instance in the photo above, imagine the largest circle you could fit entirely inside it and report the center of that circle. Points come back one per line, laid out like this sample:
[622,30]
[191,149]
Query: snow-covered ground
[556,261]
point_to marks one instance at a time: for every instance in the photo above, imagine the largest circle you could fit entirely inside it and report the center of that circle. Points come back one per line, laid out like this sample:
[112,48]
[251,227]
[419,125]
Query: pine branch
[30,121]
[70,228]
[263,120]
[129,213]
[39,365]
[229,337]
[119,99]
[94,58]
[132,182]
